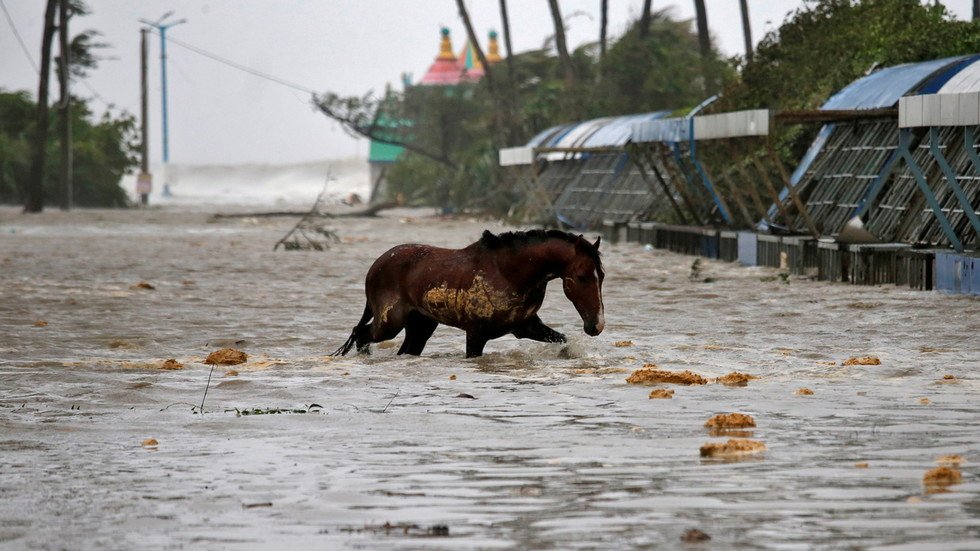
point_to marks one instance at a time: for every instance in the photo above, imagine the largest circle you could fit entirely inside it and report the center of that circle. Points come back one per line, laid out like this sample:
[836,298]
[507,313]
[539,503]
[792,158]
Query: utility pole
[144,182]
[162,27]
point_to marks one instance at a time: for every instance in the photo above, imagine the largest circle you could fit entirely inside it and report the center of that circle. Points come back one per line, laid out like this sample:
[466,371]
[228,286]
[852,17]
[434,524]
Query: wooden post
[792,191]
[773,193]
[633,154]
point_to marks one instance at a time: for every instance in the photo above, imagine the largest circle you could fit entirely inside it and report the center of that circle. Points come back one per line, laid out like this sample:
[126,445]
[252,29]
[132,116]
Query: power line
[23,46]
[240,67]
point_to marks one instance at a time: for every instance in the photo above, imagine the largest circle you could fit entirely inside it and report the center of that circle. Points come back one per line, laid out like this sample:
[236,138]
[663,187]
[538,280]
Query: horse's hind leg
[418,329]
[387,323]
[536,330]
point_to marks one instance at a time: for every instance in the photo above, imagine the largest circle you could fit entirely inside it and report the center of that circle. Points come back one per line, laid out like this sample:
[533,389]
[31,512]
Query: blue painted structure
[957,273]
[748,248]
[880,89]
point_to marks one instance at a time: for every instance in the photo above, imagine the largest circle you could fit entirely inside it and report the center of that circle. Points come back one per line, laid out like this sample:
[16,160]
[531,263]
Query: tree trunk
[505,21]
[64,106]
[487,75]
[645,18]
[34,189]
[747,27]
[515,126]
[566,60]
[704,41]
[704,38]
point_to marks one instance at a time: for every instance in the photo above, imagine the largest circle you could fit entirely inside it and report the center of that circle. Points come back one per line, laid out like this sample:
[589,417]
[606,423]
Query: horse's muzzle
[594,329]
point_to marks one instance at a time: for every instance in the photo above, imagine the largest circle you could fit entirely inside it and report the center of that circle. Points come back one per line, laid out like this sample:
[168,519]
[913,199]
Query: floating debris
[171,365]
[734,448]
[951,460]
[864,305]
[861,465]
[939,479]
[924,401]
[730,421]
[661,394]
[312,408]
[862,360]
[650,376]
[735,378]
[231,373]
[694,536]
[40,323]
[402,528]
[452,377]
[143,285]
[254,505]
[465,395]
[123,344]
[804,392]
[623,344]
[226,356]
[150,443]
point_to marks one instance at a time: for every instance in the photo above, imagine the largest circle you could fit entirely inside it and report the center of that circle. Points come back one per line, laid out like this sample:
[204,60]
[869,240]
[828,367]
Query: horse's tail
[358,329]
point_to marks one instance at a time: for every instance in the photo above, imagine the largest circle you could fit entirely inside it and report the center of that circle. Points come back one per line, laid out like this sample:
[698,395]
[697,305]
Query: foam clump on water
[226,356]
[733,448]
[649,375]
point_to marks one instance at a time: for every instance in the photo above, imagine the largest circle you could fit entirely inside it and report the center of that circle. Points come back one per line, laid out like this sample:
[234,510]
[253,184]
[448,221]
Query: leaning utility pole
[64,81]
[144,182]
[162,27]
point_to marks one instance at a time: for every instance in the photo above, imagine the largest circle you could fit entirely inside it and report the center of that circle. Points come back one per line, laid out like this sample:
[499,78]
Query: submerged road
[532,446]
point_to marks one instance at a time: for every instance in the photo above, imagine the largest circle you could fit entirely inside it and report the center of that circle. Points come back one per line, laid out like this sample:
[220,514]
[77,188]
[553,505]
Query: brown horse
[488,289]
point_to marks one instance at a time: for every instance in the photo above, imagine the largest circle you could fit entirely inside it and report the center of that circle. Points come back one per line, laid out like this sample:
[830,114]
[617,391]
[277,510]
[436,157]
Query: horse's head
[582,282]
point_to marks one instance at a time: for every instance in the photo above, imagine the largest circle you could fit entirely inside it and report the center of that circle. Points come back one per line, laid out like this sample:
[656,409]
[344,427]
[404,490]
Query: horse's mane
[516,239]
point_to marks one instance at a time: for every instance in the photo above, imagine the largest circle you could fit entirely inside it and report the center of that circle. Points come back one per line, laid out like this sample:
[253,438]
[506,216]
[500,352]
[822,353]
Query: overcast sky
[219,115]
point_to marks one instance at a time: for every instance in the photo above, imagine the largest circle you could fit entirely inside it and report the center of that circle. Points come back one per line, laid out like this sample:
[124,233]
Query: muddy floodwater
[532,446]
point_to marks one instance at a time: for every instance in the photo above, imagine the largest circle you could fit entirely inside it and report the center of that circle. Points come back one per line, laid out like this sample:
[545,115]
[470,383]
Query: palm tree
[35,183]
[747,28]
[566,60]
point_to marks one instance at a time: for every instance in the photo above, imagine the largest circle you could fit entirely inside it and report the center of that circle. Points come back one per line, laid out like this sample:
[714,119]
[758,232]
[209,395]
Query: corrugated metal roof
[545,135]
[618,131]
[576,136]
[662,130]
[966,80]
[882,88]
[939,79]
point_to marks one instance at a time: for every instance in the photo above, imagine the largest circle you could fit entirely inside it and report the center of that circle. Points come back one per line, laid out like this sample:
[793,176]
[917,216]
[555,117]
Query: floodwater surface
[532,446]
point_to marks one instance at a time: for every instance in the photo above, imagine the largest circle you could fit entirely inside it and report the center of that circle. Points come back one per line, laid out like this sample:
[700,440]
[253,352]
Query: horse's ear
[596,244]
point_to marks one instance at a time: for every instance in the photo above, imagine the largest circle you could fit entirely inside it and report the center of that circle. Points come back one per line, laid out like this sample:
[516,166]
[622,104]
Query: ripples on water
[553,450]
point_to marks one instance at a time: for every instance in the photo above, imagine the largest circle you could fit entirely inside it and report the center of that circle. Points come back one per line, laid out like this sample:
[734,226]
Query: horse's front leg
[475,343]
[536,330]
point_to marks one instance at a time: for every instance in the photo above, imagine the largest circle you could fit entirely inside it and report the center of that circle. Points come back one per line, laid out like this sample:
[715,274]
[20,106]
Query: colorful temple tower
[447,69]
